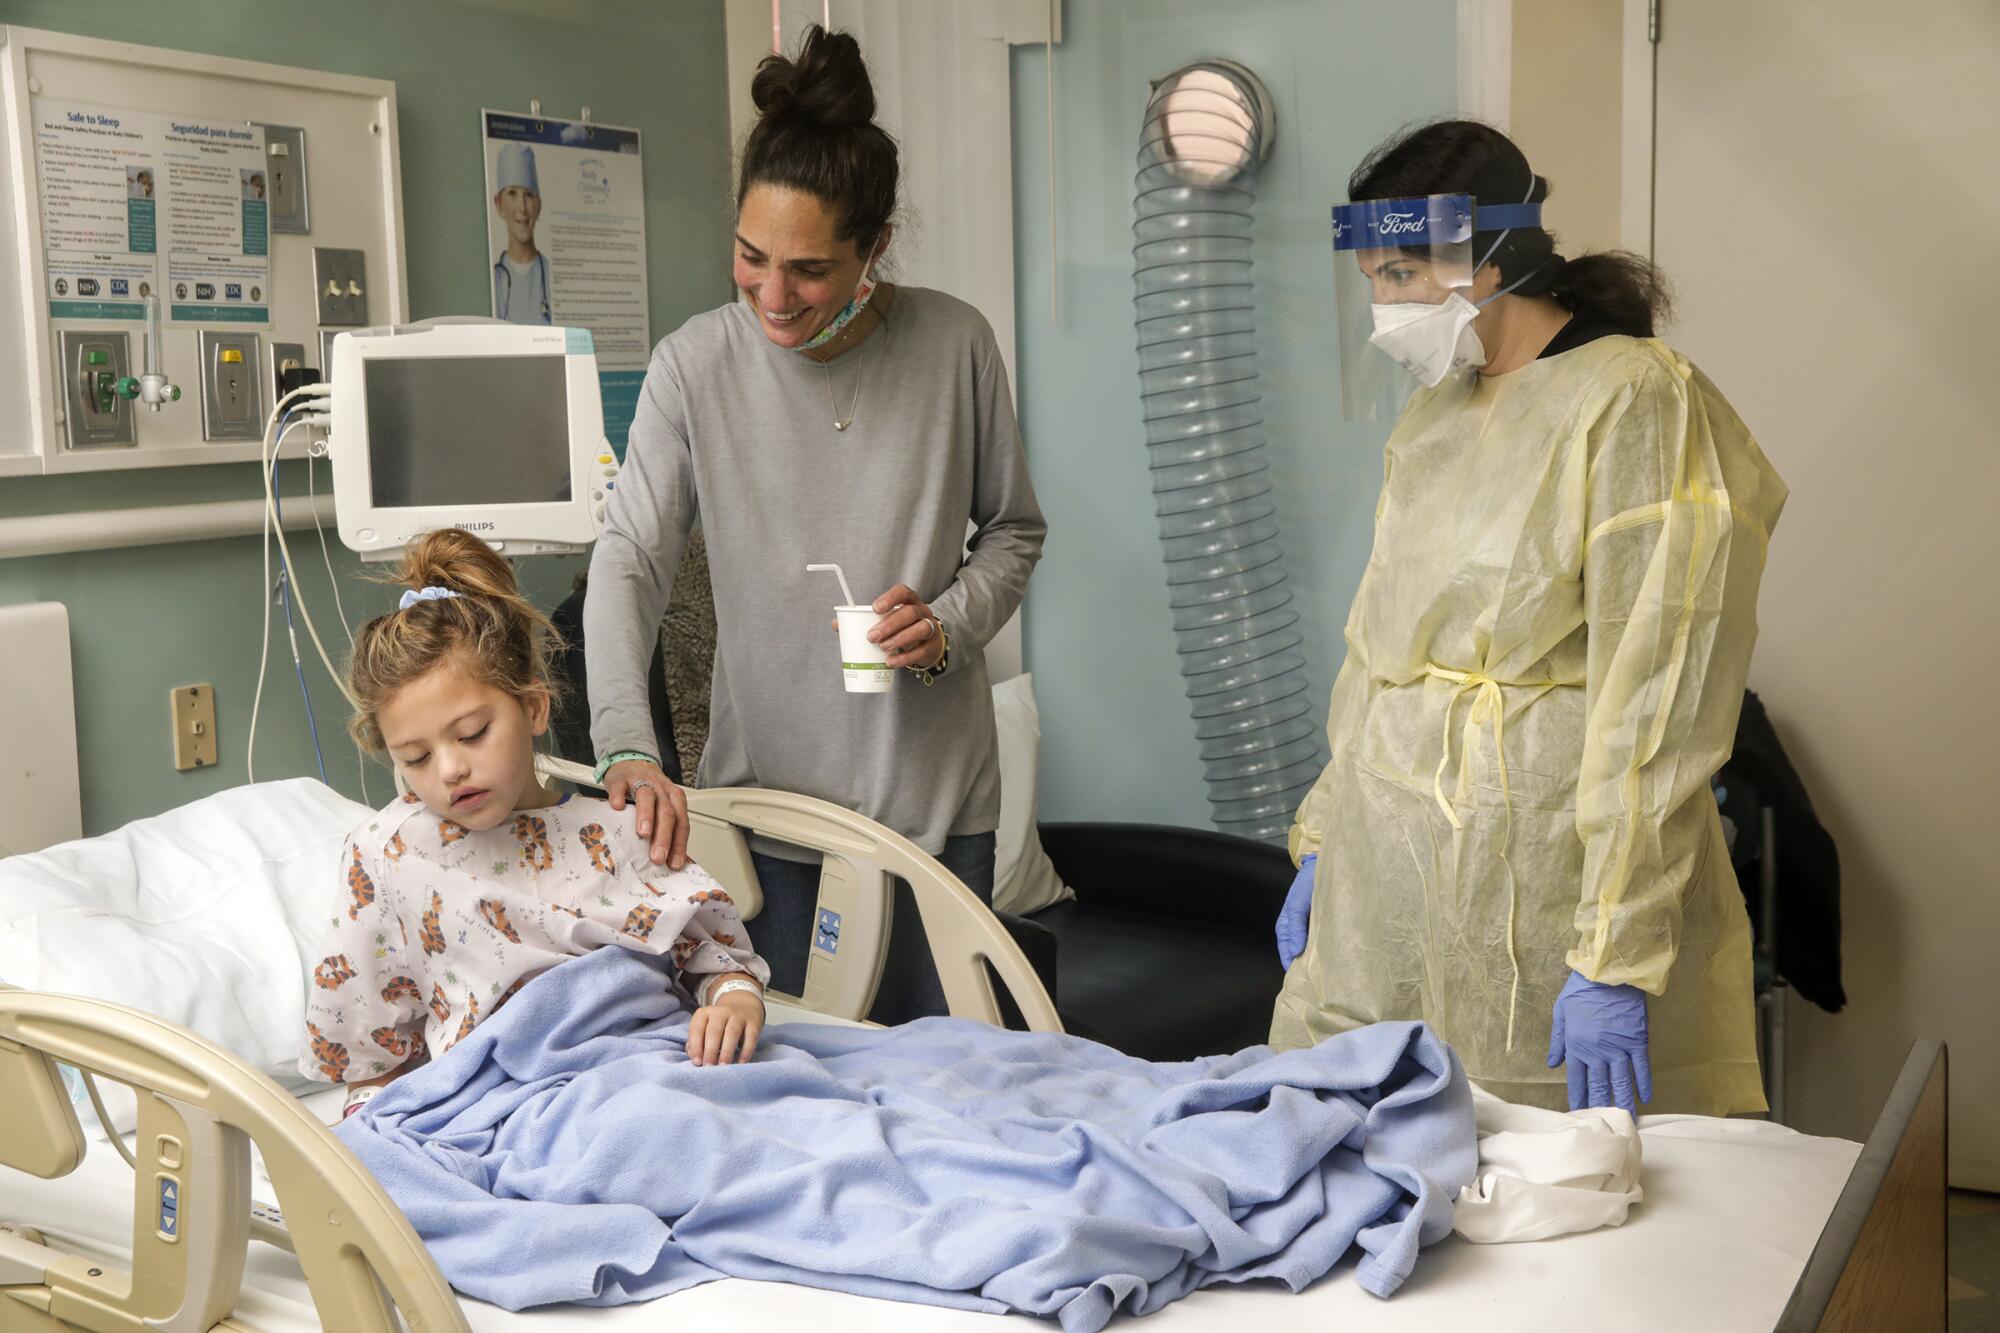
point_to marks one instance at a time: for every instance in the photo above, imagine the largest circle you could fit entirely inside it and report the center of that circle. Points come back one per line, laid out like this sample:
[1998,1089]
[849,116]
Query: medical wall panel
[86,119]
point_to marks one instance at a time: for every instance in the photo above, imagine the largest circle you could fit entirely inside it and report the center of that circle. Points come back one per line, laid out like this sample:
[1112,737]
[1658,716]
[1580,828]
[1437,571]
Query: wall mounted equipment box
[232,386]
[96,370]
[285,169]
[60,293]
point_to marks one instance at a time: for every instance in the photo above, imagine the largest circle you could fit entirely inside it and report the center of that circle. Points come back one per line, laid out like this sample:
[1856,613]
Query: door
[1826,198]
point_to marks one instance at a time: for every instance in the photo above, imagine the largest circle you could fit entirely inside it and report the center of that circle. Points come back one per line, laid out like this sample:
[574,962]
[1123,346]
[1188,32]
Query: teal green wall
[1117,742]
[145,620]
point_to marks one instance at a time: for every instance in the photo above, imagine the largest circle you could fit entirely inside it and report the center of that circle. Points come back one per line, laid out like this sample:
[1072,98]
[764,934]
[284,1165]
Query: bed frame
[1879,1263]
[200,1107]
[969,945]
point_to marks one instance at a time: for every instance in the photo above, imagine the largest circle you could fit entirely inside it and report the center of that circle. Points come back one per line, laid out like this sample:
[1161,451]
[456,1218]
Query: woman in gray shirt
[822,418]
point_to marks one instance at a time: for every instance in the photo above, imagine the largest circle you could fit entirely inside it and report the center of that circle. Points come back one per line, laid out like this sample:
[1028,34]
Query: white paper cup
[864,665]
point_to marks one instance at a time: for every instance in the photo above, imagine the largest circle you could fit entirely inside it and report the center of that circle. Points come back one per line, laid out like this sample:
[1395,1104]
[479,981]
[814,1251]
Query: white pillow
[205,916]
[1024,881]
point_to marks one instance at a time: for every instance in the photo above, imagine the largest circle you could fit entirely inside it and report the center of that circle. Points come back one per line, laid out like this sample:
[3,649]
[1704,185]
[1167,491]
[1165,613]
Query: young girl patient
[460,893]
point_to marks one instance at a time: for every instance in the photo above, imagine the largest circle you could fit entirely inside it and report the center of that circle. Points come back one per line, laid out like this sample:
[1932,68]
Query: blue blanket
[568,1151]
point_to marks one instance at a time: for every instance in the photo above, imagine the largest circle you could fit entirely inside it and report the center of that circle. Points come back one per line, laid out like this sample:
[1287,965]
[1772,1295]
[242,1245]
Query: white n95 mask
[1429,341]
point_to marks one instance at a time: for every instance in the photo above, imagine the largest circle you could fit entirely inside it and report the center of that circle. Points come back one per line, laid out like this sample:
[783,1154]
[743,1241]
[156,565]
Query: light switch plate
[194,727]
[285,176]
[340,286]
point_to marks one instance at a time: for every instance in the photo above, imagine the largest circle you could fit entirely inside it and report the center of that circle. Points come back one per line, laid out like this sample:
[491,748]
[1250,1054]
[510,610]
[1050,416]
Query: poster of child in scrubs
[521,288]
[566,238]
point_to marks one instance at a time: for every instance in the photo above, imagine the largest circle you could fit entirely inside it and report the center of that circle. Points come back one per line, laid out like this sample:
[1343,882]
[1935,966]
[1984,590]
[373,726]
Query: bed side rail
[1880,1261]
[200,1108]
[851,939]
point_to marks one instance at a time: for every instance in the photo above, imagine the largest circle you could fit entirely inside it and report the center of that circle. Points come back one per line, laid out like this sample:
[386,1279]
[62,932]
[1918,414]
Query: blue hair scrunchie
[431,594]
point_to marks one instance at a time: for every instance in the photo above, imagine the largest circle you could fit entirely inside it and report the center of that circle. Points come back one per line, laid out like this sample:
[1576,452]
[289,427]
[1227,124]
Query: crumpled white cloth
[1546,1173]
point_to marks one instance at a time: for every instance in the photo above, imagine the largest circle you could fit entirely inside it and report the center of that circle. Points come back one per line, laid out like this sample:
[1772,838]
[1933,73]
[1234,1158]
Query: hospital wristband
[718,990]
[358,1098]
[605,764]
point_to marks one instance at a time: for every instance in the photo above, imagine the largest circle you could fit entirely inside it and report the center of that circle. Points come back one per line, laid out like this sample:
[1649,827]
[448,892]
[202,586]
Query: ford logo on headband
[1444,219]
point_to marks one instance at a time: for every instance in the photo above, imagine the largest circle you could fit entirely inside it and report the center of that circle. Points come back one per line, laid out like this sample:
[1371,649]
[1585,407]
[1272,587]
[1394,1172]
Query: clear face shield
[1403,274]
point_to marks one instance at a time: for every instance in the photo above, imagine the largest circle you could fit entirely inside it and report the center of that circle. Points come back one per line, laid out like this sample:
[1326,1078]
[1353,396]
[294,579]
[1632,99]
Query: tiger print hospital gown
[436,927]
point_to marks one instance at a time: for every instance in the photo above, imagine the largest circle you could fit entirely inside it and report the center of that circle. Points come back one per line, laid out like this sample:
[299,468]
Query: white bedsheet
[1732,1209]
[1544,1174]
[206,915]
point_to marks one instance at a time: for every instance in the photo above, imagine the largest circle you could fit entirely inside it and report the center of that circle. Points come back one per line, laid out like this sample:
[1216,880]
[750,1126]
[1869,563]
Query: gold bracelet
[928,675]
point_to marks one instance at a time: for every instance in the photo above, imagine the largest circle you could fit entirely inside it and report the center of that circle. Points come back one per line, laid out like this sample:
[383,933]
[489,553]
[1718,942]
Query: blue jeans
[910,987]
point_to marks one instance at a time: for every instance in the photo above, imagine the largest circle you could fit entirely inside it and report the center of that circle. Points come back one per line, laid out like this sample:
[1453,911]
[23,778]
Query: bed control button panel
[826,934]
[268,1225]
[170,1208]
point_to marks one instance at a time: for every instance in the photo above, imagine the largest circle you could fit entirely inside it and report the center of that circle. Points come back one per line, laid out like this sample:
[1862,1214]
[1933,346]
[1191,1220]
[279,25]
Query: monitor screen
[467,430]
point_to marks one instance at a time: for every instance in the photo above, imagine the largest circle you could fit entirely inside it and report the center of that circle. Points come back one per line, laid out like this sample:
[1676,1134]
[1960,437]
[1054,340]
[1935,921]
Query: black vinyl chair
[1169,950]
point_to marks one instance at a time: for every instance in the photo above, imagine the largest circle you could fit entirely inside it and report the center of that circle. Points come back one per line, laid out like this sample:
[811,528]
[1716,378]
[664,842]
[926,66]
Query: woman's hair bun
[826,82]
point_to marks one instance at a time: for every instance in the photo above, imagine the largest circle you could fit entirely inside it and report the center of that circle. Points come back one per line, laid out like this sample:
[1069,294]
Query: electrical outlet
[284,357]
[285,172]
[340,286]
[194,726]
[232,386]
[93,366]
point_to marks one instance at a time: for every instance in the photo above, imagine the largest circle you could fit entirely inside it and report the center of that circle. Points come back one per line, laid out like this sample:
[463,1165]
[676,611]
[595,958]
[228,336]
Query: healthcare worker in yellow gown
[1516,840]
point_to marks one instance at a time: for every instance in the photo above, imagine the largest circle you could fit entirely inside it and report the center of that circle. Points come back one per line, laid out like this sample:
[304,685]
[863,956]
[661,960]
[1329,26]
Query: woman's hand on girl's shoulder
[660,808]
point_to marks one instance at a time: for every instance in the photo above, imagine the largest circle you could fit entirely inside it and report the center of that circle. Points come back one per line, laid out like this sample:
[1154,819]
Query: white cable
[312,495]
[267,454]
[263,650]
[285,550]
[312,630]
[264,452]
[104,1119]
[283,404]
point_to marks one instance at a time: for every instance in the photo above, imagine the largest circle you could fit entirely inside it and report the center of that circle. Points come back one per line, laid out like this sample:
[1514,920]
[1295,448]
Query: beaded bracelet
[605,764]
[928,675]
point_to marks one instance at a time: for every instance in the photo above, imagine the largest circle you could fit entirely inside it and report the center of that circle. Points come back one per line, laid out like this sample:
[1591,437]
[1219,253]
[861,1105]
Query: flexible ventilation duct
[1207,128]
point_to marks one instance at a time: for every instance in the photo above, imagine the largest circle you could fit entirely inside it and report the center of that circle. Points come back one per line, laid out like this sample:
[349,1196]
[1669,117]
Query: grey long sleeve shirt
[738,434]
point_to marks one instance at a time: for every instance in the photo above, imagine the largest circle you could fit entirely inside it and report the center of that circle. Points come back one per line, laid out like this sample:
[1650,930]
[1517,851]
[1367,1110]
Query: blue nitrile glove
[1600,1031]
[1294,916]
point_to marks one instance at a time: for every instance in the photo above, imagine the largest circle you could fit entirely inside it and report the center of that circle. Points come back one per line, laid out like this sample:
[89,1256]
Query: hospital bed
[243,1212]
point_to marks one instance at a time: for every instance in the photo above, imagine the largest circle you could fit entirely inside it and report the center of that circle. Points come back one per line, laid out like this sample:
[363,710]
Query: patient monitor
[491,427]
